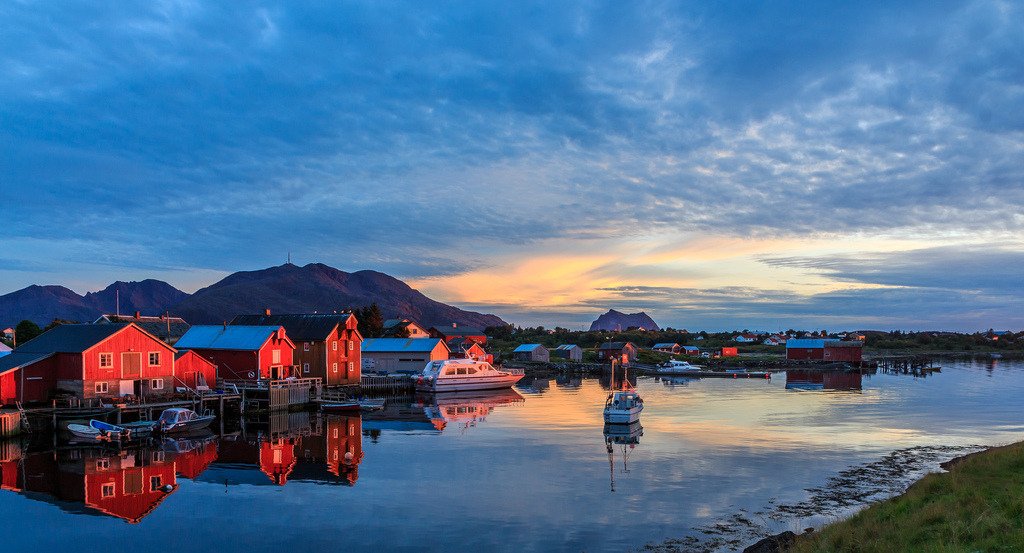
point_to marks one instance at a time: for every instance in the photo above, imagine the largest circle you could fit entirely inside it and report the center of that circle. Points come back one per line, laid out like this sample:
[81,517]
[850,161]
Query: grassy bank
[977,506]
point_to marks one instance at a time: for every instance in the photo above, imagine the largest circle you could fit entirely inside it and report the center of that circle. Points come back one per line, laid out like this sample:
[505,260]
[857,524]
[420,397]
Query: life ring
[252,374]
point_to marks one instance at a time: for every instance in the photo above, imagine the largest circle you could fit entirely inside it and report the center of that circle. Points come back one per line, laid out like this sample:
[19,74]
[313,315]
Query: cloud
[425,140]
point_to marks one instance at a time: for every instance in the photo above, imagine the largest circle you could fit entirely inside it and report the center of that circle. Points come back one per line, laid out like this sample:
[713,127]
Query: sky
[719,165]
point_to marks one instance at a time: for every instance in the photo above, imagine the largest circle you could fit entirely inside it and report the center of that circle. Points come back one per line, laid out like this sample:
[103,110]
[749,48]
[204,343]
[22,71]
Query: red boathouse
[824,349]
[243,352]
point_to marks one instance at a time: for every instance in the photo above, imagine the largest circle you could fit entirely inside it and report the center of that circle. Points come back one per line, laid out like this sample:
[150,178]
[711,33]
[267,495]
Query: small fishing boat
[110,431]
[178,419]
[623,406]
[371,404]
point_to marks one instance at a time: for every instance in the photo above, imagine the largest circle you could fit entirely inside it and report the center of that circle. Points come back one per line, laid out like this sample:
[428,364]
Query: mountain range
[615,320]
[284,289]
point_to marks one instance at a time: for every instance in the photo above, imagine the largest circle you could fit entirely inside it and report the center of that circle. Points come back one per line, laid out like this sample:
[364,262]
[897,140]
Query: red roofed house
[88,361]
[243,352]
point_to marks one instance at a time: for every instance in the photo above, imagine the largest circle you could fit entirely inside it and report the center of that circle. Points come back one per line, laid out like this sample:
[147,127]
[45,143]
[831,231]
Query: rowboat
[83,432]
[340,407]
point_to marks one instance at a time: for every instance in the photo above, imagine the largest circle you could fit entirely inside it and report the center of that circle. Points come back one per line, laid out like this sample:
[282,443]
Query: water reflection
[465,409]
[626,437]
[824,380]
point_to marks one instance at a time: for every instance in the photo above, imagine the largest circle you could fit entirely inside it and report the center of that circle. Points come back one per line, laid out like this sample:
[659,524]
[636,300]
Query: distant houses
[623,351]
[402,354]
[327,346]
[404,328]
[691,350]
[4,349]
[531,352]
[570,352]
[466,348]
[263,352]
[672,348]
[446,333]
[746,338]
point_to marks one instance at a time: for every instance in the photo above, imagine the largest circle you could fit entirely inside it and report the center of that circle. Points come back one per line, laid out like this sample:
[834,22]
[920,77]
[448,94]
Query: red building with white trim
[243,352]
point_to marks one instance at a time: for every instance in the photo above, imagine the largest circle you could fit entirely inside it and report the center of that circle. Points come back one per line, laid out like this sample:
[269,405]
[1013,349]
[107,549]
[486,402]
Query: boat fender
[734,375]
[168,488]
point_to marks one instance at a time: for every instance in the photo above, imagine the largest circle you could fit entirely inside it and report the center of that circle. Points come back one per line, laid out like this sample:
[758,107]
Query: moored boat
[83,432]
[675,366]
[456,375]
[623,406]
[340,407]
[178,419]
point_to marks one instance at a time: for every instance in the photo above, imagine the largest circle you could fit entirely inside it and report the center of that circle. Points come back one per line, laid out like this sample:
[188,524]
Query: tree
[371,322]
[25,331]
[57,322]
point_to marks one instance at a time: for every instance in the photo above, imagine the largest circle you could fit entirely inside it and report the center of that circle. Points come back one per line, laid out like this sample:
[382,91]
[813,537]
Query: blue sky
[720,165]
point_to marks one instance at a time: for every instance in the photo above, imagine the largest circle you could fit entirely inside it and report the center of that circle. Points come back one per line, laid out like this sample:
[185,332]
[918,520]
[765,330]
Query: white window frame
[150,358]
[305,346]
[110,357]
[108,486]
[334,345]
[102,388]
[155,483]
[351,345]
[102,464]
[334,368]
[275,357]
[156,384]
[305,368]
[351,366]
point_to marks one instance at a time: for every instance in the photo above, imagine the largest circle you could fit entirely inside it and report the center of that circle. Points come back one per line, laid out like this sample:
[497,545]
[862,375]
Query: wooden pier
[10,423]
[389,384]
[275,395]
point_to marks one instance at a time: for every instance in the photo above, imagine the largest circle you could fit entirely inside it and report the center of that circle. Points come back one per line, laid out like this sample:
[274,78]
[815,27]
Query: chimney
[266,311]
[455,325]
[138,314]
[225,325]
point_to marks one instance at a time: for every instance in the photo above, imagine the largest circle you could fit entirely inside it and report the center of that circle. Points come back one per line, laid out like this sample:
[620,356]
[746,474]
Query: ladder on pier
[24,418]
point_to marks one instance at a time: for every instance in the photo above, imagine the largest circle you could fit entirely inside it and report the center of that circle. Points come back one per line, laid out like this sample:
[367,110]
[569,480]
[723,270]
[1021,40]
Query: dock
[388,384]
[275,395]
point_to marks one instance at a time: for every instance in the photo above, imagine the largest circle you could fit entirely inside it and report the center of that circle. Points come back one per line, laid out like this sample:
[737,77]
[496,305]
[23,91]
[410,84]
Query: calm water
[527,470]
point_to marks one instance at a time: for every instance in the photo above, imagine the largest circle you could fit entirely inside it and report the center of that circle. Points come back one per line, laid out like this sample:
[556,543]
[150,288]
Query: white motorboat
[456,375]
[675,366]
[178,419]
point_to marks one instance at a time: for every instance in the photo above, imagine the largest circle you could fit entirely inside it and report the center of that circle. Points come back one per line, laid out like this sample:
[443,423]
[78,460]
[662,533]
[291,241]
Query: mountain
[42,304]
[317,287]
[614,320]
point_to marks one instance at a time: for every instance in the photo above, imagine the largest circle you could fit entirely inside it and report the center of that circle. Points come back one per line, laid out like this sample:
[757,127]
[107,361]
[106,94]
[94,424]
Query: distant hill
[317,287]
[42,304]
[614,320]
[284,289]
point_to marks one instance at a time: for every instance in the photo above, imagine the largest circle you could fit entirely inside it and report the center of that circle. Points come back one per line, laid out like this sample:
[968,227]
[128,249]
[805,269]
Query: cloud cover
[427,140]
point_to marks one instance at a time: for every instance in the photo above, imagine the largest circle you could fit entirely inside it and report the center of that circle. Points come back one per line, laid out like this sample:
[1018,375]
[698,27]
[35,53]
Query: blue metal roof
[526,348]
[385,345]
[664,345]
[808,343]
[236,337]
[691,348]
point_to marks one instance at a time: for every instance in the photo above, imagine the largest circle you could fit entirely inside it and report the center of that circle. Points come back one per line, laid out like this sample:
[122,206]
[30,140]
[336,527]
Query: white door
[127,387]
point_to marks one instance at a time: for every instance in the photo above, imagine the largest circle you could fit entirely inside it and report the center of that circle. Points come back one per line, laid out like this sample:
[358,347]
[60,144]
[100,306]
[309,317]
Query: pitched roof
[183,352]
[690,348]
[458,331]
[526,348]
[235,337]
[304,328]
[164,328]
[71,338]
[614,345]
[567,346]
[4,347]
[17,360]
[665,345]
[384,345]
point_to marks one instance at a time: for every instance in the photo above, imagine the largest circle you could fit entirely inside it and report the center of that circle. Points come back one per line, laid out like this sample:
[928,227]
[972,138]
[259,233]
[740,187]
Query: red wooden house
[88,361]
[194,370]
[622,351]
[243,352]
[327,345]
[817,349]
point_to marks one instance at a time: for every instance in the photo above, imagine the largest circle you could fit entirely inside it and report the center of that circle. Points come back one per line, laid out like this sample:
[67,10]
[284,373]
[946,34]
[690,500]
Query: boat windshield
[169,417]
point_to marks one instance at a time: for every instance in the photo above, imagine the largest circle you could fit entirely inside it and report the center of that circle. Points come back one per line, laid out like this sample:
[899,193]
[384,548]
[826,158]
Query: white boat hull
[468,384]
[622,416]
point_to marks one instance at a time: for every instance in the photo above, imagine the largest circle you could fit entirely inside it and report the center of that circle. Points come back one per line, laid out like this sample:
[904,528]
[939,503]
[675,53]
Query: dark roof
[458,331]
[302,328]
[458,343]
[71,338]
[18,360]
[614,345]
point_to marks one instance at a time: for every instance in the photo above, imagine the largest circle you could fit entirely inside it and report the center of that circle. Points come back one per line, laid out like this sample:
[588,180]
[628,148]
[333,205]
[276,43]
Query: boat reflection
[823,380]
[628,437]
[465,409]
[673,381]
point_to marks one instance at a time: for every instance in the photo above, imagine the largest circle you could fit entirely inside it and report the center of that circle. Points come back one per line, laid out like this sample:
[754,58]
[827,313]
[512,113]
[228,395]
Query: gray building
[531,352]
[401,354]
[572,352]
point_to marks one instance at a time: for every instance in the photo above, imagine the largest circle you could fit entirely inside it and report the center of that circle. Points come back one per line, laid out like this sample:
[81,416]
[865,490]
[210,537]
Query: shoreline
[974,505]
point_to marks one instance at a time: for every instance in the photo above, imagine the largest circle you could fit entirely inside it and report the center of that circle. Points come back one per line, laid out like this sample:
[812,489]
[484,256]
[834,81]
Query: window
[351,366]
[159,456]
[154,358]
[462,370]
[334,345]
[351,345]
[108,490]
[101,387]
[335,433]
[276,357]
[154,483]
[157,384]
[102,464]
[449,371]
[305,346]
[305,368]
[334,367]
[106,360]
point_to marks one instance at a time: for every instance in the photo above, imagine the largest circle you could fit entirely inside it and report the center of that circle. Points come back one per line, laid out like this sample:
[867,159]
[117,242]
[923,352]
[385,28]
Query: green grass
[977,506]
